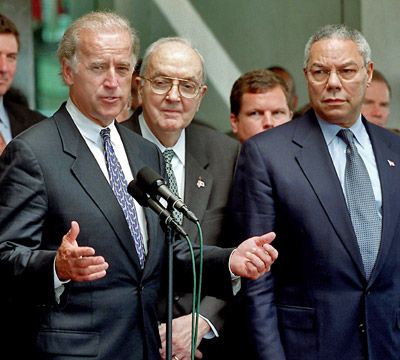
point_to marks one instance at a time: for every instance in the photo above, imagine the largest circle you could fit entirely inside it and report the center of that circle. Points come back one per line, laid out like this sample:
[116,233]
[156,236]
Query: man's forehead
[342,50]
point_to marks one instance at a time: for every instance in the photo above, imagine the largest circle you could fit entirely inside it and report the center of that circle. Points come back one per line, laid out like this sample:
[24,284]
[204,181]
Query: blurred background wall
[234,36]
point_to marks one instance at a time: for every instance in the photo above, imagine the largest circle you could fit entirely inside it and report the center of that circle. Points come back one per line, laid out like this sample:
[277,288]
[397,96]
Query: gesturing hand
[254,256]
[78,263]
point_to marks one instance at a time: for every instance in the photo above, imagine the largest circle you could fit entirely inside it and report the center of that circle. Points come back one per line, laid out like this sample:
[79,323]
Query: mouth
[110,99]
[170,111]
[333,101]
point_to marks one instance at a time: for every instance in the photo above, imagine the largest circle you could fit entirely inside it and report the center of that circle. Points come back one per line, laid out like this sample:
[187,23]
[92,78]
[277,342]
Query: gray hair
[342,32]
[165,40]
[95,21]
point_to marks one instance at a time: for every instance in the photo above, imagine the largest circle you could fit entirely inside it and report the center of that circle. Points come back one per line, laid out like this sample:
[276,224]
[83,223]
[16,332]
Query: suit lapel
[314,160]
[198,186]
[387,163]
[91,178]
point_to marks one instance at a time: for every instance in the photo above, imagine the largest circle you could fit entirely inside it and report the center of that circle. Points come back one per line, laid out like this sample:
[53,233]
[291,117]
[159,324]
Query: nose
[376,111]
[333,80]
[3,63]
[268,121]
[173,93]
[111,79]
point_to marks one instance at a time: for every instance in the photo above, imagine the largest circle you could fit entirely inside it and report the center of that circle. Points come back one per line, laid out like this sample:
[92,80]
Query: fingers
[78,263]
[265,238]
[88,268]
[72,233]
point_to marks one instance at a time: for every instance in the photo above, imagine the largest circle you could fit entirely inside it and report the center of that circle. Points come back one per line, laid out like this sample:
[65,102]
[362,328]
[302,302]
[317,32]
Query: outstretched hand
[254,256]
[78,263]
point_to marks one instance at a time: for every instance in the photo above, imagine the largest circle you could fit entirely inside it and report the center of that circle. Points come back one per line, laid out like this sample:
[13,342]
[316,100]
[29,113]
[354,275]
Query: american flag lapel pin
[200,183]
[391,163]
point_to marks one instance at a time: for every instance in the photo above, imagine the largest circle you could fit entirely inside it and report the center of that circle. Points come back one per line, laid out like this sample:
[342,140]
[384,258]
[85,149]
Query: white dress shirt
[5,126]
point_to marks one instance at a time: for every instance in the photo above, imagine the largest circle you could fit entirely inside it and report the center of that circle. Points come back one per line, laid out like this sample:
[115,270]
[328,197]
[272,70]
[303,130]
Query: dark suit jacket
[210,161]
[20,116]
[317,303]
[49,177]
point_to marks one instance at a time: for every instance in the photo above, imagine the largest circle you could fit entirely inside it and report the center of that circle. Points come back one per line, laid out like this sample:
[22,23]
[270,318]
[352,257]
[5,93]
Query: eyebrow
[348,63]
[160,73]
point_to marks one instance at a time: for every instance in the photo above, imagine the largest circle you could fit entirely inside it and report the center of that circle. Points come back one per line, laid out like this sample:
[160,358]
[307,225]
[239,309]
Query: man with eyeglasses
[328,184]
[171,86]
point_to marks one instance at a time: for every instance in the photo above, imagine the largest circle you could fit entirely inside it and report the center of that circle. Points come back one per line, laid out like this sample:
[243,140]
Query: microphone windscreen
[147,179]
[140,196]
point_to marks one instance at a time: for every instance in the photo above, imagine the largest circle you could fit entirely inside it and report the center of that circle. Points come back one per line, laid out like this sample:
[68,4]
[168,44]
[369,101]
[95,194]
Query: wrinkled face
[339,97]
[8,61]
[376,103]
[260,112]
[100,81]
[171,112]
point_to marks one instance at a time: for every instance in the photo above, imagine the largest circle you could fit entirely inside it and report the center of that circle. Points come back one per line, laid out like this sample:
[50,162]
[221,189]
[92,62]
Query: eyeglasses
[347,73]
[161,85]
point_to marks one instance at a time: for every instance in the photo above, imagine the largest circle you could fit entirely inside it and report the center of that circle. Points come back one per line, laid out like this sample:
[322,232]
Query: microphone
[154,184]
[146,201]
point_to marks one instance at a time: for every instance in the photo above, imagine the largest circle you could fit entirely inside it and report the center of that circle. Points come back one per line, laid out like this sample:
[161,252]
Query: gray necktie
[361,203]
[168,155]
[119,186]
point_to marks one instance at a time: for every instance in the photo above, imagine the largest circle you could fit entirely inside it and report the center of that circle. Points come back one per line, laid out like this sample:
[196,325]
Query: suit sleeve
[253,213]
[23,204]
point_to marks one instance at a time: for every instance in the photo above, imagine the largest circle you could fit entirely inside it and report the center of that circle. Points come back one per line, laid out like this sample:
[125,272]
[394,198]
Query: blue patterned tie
[119,187]
[361,203]
[168,155]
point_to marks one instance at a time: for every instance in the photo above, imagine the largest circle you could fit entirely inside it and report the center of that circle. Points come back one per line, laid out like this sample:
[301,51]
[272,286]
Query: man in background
[14,116]
[259,101]
[376,105]
[288,78]
[202,162]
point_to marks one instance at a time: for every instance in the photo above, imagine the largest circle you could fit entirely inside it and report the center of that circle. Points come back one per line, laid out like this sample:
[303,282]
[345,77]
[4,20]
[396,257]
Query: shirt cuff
[235,279]
[58,284]
[213,331]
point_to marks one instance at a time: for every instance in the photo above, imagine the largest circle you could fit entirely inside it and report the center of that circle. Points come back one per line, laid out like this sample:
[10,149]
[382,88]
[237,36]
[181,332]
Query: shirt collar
[87,127]
[330,131]
[3,113]
[179,147]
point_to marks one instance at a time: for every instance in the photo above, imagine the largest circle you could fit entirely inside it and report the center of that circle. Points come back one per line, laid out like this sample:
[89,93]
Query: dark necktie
[361,203]
[168,155]
[119,186]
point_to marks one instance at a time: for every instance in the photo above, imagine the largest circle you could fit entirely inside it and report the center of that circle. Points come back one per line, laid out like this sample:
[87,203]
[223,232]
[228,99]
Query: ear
[202,92]
[67,72]
[305,73]
[234,123]
[370,71]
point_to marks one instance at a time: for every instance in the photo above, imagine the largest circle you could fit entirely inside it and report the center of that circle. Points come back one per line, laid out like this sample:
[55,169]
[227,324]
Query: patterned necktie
[361,203]
[168,155]
[119,186]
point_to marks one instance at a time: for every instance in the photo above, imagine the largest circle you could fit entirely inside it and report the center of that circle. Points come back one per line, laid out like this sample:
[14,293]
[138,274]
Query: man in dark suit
[171,86]
[334,293]
[81,262]
[14,116]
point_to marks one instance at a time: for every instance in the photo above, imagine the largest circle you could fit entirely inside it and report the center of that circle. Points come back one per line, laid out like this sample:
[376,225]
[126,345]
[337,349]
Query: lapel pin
[391,163]
[200,183]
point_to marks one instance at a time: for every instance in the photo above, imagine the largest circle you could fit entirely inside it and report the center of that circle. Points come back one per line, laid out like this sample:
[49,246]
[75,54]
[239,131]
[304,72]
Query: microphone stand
[170,235]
